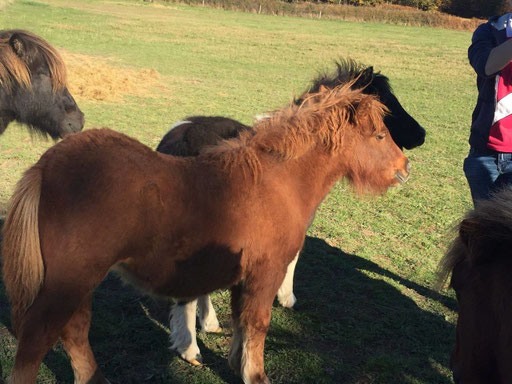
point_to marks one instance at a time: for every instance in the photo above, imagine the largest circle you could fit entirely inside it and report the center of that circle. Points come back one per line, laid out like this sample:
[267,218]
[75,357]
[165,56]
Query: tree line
[464,8]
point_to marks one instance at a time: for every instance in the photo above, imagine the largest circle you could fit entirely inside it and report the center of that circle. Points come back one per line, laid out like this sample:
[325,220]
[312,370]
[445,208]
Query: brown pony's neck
[312,176]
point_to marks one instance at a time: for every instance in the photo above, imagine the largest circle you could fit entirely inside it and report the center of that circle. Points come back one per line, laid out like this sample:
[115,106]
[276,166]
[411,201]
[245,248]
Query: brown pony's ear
[22,48]
[322,88]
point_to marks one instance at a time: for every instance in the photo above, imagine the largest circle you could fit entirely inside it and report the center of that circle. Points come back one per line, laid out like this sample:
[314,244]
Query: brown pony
[101,201]
[33,86]
[480,265]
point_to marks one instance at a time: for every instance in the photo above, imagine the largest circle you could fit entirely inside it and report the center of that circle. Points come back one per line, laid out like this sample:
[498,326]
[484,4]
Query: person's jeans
[487,172]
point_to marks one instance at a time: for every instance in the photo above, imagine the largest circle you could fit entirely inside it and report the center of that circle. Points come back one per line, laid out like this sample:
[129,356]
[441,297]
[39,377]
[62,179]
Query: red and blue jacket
[491,128]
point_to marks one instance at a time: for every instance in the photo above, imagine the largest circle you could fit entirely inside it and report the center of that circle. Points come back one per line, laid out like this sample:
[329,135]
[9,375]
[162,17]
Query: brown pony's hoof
[218,330]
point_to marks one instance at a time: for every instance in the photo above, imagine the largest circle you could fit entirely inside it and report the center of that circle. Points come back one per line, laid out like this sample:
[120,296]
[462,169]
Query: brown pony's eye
[381,136]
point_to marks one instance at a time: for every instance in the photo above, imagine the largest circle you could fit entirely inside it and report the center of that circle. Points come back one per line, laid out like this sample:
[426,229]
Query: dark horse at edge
[480,266]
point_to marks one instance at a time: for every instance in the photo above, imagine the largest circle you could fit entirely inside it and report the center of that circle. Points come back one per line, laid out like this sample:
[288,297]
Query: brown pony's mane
[14,69]
[482,233]
[324,118]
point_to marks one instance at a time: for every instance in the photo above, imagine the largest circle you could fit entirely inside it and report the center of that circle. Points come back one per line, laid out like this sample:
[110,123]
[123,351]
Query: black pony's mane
[348,70]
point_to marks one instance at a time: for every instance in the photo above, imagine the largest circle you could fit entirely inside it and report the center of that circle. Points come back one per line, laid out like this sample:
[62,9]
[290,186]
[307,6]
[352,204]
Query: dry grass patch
[4,3]
[98,79]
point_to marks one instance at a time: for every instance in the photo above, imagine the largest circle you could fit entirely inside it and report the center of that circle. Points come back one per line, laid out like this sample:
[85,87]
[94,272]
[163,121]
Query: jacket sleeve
[482,43]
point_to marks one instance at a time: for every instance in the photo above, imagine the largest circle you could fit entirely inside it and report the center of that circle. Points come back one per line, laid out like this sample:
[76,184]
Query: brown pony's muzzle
[403,175]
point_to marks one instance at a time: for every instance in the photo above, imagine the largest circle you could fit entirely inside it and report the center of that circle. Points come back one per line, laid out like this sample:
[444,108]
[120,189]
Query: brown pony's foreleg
[75,338]
[250,326]
[252,305]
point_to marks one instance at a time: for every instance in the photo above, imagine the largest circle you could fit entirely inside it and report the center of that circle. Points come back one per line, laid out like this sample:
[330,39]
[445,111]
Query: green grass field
[367,308]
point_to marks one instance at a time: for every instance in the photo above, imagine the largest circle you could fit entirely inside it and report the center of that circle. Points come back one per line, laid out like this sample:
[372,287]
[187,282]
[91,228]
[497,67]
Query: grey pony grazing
[33,87]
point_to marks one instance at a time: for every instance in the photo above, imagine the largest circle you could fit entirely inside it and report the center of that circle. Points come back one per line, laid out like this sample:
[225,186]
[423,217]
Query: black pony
[405,131]
[188,137]
[191,135]
[33,86]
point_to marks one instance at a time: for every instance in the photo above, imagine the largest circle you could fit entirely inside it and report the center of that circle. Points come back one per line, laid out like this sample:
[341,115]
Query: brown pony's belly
[205,270]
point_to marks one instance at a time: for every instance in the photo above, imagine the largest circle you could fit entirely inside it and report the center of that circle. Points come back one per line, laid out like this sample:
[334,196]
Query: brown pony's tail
[23,269]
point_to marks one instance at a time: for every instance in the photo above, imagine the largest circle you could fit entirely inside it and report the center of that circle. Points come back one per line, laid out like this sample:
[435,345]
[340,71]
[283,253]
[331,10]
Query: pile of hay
[99,79]
[4,3]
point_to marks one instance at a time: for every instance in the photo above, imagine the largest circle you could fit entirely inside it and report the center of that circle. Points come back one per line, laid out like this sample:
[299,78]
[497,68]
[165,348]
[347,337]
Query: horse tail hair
[23,269]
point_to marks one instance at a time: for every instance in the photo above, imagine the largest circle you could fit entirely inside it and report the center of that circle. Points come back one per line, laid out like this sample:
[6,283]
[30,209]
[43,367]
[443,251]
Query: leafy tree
[420,4]
[475,8]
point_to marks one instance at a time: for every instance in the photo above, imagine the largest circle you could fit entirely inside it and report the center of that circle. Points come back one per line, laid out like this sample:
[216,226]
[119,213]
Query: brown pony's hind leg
[39,330]
[43,323]
[75,338]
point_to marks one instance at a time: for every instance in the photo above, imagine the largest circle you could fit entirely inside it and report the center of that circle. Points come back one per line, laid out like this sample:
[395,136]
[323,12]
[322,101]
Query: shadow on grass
[362,328]
[350,327]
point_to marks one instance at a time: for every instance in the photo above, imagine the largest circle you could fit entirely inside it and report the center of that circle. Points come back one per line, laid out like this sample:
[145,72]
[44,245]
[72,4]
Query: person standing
[488,166]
